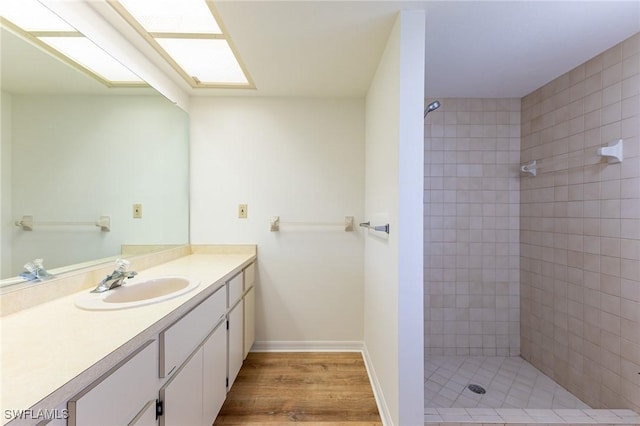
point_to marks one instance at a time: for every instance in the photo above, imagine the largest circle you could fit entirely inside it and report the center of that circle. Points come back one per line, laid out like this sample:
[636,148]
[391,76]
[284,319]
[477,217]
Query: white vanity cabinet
[249,308]
[196,390]
[191,395]
[235,326]
[235,288]
[146,417]
[185,372]
[236,342]
[214,374]
[249,321]
[182,395]
[182,338]
[121,396]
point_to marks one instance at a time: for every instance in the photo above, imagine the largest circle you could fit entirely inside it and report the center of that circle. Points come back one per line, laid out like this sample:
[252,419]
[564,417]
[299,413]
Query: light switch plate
[137,211]
[242,211]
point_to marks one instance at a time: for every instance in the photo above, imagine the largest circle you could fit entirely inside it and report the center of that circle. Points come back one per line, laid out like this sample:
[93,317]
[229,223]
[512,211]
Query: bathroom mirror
[75,150]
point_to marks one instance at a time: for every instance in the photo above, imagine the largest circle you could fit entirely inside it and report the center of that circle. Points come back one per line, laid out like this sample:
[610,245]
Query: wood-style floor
[286,387]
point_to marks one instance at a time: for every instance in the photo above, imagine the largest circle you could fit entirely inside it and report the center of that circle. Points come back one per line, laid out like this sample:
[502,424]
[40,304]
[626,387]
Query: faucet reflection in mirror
[116,278]
[35,271]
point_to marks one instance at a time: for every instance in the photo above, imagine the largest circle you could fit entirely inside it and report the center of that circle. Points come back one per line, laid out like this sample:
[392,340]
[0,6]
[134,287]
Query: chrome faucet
[116,278]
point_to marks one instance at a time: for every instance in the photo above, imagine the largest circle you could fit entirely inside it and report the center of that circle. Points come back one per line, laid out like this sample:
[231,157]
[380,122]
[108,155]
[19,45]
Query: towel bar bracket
[379,228]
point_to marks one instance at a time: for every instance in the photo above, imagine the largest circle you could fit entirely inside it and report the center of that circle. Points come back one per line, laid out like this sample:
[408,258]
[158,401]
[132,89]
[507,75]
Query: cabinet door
[249,320]
[214,389]
[118,396]
[236,341]
[182,338]
[146,417]
[182,396]
[249,276]
[236,288]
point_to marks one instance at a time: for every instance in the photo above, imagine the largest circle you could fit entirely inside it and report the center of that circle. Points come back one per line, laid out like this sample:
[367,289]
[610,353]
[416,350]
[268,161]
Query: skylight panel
[30,15]
[171,16]
[33,21]
[86,53]
[205,60]
[190,37]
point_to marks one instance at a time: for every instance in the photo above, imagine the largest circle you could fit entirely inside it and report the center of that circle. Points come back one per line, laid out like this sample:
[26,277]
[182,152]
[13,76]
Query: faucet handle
[122,265]
[30,267]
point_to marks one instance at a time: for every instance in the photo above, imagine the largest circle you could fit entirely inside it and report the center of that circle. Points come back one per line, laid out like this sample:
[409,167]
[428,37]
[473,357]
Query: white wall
[76,158]
[411,218]
[302,160]
[6,223]
[393,194]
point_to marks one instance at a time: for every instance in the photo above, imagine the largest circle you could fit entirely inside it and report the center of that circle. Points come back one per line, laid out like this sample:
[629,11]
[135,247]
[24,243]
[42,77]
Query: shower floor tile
[510,382]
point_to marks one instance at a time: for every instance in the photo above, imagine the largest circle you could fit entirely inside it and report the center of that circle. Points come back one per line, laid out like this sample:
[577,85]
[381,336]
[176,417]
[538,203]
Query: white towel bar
[27,223]
[276,223]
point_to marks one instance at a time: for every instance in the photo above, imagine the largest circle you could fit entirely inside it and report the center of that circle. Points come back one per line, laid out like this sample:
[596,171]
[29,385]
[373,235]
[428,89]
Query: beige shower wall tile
[473,225]
[580,294]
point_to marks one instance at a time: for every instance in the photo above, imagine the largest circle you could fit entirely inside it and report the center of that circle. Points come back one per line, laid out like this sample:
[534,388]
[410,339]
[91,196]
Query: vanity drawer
[117,397]
[249,276]
[182,338]
[236,288]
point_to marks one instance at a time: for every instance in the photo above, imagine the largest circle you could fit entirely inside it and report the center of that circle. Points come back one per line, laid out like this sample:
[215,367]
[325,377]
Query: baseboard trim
[307,346]
[383,409]
[332,346]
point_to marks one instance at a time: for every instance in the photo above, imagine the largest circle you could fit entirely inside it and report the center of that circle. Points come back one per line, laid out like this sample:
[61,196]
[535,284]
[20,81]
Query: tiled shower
[545,267]
[472,214]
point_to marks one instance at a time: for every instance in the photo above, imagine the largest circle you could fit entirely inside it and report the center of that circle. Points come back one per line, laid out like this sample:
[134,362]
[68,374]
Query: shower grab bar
[613,153]
[544,163]
[276,223]
[27,223]
[379,228]
[548,166]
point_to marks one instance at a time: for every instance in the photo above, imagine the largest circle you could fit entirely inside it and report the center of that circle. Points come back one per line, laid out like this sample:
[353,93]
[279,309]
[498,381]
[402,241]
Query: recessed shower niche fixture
[190,36]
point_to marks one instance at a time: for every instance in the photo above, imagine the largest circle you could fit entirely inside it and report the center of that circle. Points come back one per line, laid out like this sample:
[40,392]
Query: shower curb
[520,417]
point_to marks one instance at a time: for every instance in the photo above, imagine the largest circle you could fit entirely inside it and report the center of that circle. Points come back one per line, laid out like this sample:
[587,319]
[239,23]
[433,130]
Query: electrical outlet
[137,211]
[242,211]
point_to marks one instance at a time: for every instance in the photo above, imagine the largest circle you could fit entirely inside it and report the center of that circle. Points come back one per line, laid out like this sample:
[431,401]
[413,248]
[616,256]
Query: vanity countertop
[53,350]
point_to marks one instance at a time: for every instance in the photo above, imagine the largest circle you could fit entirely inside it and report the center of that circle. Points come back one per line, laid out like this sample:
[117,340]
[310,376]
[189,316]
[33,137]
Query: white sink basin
[137,293]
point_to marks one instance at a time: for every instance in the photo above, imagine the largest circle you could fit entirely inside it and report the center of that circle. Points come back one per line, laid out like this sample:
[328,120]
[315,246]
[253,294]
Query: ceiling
[332,48]
[509,49]
[473,48]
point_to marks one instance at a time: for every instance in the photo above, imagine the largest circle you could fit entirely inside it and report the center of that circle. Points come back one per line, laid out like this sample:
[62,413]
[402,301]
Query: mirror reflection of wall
[74,150]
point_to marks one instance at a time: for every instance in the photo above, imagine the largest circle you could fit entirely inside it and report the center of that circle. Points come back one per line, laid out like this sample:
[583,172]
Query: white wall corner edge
[332,346]
[383,409]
